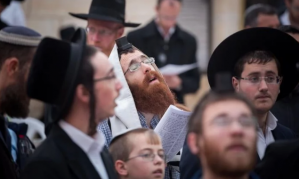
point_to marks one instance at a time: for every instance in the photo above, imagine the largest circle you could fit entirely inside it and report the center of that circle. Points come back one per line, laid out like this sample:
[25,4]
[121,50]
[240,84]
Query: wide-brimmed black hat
[283,46]
[107,10]
[54,69]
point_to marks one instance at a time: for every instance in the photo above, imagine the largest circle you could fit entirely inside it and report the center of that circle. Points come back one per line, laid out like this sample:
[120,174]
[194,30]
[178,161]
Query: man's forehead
[270,66]
[127,58]
[101,23]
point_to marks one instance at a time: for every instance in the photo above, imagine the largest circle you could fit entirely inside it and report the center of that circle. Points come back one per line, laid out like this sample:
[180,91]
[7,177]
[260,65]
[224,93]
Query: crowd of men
[105,96]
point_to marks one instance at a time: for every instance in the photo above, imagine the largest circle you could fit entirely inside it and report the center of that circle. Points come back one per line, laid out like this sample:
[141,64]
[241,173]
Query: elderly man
[105,23]
[18,45]
[80,81]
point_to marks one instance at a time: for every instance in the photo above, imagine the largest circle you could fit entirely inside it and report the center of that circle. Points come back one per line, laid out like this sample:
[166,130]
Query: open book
[172,129]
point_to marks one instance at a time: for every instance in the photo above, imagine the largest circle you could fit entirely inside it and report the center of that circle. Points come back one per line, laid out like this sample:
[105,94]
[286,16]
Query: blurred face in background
[102,34]
[167,13]
[265,20]
[293,7]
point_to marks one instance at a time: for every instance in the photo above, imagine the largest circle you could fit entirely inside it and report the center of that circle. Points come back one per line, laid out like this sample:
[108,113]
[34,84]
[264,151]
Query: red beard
[152,98]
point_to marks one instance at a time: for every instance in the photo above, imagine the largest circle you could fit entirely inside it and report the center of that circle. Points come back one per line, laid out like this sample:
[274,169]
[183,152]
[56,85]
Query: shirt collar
[154,121]
[271,121]
[85,142]
[285,19]
[161,31]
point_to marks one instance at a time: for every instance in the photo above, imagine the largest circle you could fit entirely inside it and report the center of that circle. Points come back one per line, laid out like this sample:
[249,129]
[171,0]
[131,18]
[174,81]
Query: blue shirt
[170,172]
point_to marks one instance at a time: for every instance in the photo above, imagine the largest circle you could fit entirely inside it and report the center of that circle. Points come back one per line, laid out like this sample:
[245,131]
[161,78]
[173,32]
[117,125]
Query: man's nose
[263,86]
[145,67]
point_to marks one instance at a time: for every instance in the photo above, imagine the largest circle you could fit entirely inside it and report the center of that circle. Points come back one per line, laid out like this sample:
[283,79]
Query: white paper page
[171,69]
[172,129]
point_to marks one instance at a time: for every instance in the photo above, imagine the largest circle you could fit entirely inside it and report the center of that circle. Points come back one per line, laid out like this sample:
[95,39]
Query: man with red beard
[230,117]
[143,99]
[18,45]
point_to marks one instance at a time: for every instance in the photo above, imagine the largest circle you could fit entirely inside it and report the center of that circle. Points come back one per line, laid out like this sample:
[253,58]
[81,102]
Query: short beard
[155,98]
[221,165]
[14,100]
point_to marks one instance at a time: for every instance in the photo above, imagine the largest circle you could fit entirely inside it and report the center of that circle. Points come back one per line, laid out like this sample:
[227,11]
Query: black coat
[190,163]
[59,157]
[281,161]
[181,49]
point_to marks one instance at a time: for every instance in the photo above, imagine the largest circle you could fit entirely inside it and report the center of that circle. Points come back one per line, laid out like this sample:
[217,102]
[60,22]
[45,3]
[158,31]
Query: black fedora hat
[107,10]
[54,69]
[283,46]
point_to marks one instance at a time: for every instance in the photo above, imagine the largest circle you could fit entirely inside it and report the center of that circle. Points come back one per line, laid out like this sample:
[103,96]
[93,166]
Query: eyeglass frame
[278,79]
[139,64]
[108,77]
[231,120]
[152,155]
[106,34]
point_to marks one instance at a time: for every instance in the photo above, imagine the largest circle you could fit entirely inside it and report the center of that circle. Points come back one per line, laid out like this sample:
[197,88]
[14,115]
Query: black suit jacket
[190,163]
[59,157]
[281,161]
[181,49]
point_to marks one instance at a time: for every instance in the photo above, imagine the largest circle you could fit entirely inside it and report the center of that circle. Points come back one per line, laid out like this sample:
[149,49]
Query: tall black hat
[283,46]
[55,68]
[107,10]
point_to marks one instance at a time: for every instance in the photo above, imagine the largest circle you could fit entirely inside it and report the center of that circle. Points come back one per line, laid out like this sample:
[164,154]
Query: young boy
[138,154]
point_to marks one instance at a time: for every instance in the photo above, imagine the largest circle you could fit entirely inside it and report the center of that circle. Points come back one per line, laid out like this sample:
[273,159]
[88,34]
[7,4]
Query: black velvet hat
[283,46]
[54,69]
[107,10]
[123,44]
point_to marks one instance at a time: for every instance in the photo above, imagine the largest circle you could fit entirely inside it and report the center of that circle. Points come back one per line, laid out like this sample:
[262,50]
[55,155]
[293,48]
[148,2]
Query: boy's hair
[195,121]
[259,57]
[121,147]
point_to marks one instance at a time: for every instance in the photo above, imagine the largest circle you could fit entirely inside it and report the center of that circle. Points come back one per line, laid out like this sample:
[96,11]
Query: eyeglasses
[105,78]
[268,79]
[244,121]
[135,66]
[102,32]
[149,157]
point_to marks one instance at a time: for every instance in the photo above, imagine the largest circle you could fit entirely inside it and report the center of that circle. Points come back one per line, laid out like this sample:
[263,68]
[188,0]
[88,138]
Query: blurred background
[210,21]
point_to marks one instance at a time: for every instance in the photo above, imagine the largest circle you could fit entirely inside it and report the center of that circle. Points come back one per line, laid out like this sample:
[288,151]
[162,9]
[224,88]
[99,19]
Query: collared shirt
[285,19]
[91,146]
[169,34]
[170,172]
[264,140]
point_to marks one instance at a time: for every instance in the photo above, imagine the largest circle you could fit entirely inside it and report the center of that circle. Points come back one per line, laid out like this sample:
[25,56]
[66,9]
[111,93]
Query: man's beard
[152,98]
[221,164]
[14,100]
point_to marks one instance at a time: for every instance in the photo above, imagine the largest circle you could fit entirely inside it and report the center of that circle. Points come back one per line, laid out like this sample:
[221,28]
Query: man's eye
[146,155]
[271,78]
[254,79]
[134,66]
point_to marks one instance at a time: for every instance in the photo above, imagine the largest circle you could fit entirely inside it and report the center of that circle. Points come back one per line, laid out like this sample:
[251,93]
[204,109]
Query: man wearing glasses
[105,23]
[164,40]
[264,71]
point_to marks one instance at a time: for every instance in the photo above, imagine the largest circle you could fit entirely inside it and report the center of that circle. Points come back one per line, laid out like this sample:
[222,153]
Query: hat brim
[283,46]
[104,18]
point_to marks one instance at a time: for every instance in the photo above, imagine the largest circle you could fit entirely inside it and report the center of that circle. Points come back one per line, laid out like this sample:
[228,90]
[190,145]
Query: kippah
[20,36]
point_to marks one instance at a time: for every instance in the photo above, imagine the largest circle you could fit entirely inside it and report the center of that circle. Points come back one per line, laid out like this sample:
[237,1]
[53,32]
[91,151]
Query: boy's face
[140,164]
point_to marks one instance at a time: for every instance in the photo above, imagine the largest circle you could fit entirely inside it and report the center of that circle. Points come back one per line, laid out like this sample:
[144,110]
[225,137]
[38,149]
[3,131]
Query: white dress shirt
[91,146]
[285,19]
[13,14]
[264,140]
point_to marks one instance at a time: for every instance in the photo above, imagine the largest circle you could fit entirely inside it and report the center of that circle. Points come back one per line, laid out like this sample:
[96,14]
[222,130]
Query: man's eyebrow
[254,73]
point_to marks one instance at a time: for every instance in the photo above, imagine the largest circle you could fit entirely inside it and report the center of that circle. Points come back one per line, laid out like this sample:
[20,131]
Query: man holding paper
[164,40]
[146,101]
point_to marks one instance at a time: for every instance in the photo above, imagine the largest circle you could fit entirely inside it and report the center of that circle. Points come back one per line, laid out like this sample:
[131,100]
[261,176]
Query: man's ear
[121,168]
[235,83]
[11,66]
[82,93]
[120,32]
[192,143]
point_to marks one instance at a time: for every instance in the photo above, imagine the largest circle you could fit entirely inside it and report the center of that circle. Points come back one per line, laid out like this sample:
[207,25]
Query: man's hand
[173,81]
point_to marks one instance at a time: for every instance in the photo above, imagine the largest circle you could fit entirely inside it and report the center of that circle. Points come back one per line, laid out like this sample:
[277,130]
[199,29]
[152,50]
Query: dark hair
[129,50]
[259,57]
[23,53]
[5,2]
[289,29]
[252,13]
[85,77]
[160,1]
[195,121]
